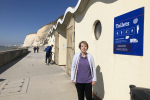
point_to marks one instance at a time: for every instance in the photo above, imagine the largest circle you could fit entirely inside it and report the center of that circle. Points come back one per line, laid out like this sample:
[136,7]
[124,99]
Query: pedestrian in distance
[34,48]
[83,73]
[48,54]
[37,49]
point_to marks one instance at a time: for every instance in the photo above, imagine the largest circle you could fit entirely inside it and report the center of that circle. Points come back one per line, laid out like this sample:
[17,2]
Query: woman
[83,73]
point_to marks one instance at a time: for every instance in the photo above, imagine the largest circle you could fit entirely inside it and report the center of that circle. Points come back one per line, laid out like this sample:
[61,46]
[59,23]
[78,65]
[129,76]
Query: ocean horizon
[4,48]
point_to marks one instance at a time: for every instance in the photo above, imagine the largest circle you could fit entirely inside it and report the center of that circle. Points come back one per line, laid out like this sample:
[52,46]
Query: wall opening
[97,29]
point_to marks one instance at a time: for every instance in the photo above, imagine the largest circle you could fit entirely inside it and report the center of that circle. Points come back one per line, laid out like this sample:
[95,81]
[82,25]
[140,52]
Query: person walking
[34,49]
[48,54]
[83,73]
[37,49]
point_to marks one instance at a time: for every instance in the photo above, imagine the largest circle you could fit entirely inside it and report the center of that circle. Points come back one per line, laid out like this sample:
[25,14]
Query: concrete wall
[8,56]
[114,72]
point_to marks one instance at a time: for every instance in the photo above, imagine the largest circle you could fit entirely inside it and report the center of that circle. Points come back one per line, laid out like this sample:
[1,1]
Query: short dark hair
[84,42]
[52,45]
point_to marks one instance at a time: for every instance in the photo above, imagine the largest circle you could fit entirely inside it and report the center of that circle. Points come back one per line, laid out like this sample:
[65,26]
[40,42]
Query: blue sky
[19,18]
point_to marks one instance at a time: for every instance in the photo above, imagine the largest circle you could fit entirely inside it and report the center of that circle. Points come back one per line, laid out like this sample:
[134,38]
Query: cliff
[29,40]
[41,38]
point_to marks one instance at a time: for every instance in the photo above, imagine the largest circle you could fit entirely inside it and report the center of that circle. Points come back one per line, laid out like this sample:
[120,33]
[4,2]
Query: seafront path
[28,78]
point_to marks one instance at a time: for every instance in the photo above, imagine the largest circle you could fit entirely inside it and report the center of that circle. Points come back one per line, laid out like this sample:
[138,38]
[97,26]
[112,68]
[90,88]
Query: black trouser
[37,50]
[34,50]
[47,57]
[84,88]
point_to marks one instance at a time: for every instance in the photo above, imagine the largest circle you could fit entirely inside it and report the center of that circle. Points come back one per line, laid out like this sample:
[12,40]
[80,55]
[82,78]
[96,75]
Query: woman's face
[83,48]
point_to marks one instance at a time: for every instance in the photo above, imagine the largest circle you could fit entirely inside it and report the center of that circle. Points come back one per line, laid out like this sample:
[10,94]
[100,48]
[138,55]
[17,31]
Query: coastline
[5,48]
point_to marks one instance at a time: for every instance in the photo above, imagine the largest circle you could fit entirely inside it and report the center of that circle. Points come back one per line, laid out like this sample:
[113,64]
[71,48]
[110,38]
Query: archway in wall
[70,44]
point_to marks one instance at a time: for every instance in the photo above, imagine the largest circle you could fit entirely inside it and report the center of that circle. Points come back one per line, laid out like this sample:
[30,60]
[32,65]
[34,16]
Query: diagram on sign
[138,29]
[128,33]
[127,37]
[135,21]
[133,40]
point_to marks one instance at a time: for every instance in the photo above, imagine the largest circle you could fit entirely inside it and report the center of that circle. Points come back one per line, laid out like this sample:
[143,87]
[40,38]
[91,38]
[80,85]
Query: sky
[18,18]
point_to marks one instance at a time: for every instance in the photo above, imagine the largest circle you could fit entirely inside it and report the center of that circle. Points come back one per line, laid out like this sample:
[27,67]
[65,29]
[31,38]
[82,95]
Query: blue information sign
[128,33]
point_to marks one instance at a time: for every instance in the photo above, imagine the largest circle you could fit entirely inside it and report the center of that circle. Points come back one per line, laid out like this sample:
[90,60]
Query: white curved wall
[61,21]
[116,72]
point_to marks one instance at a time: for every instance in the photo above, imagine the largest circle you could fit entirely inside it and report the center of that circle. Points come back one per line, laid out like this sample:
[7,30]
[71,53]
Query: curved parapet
[81,5]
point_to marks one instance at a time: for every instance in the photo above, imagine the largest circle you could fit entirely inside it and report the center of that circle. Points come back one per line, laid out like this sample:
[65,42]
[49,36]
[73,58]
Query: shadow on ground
[53,63]
[2,80]
[5,67]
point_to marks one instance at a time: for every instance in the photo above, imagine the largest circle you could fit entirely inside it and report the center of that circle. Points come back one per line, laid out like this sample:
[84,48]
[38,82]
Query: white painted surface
[115,72]
[62,51]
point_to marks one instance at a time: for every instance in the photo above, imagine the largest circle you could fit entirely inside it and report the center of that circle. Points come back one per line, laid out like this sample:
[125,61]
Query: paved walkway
[28,78]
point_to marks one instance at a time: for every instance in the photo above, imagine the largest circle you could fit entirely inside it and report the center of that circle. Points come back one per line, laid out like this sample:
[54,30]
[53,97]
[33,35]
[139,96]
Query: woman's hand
[93,83]
[74,82]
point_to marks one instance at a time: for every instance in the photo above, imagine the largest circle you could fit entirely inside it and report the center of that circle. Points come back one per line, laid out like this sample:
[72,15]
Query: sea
[4,48]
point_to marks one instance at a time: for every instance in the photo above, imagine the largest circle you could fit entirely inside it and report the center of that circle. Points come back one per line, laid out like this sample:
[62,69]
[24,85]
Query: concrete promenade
[28,78]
